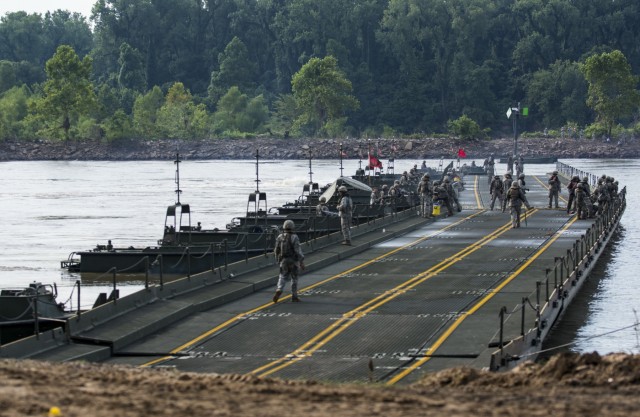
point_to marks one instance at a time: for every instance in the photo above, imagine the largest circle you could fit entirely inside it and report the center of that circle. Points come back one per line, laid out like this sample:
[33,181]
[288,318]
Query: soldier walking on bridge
[506,184]
[289,255]
[496,191]
[516,198]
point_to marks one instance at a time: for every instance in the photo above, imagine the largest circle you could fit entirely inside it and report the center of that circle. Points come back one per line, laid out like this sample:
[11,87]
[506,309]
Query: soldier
[516,198]
[581,205]
[571,187]
[496,191]
[289,255]
[554,188]
[602,196]
[376,197]
[453,198]
[506,185]
[425,192]
[323,211]
[523,190]
[404,179]
[588,197]
[510,165]
[345,208]
[441,196]
[394,191]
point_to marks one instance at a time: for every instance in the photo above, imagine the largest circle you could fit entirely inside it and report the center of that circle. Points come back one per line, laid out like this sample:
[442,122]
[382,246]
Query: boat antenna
[257,176]
[341,168]
[177,179]
[360,156]
[310,171]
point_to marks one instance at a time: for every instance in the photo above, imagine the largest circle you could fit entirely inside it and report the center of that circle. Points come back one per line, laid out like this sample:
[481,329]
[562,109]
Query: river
[56,207]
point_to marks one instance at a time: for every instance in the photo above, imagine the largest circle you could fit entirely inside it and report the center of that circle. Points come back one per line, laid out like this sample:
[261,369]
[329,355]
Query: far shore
[274,149]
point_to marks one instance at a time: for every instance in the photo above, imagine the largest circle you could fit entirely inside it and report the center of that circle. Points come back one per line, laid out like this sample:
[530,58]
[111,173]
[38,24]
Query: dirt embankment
[567,385]
[426,148]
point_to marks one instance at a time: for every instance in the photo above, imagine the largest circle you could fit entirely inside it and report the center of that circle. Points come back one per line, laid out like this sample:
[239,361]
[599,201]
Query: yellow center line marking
[477,191]
[244,315]
[477,306]
[349,318]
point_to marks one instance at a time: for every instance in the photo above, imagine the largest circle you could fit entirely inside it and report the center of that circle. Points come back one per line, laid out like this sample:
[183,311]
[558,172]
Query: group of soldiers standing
[584,201]
[509,193]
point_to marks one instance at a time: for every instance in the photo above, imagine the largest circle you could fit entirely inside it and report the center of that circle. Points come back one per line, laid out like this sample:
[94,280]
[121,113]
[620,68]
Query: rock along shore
[270,148]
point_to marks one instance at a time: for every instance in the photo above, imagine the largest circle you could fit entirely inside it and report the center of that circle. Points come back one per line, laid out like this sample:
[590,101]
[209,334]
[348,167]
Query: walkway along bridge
[410,296]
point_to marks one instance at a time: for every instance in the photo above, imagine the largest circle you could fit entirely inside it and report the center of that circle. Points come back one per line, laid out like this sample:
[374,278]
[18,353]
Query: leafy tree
[132,73]
[612,87]
[13,109]
[558,94]
[322,93]
[68,92]
[145,112]
[465,128]
[8,77]
[177,116]
[236,112]
[235,69]
[118,126]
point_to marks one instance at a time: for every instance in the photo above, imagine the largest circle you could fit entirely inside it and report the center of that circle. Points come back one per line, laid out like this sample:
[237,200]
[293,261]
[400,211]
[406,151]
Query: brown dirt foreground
[566,385]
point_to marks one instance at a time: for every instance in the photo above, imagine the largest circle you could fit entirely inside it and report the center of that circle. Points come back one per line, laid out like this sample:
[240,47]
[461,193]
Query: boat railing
[550,294]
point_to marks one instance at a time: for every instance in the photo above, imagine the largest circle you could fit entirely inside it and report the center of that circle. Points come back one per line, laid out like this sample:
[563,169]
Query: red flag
[374,162]
[343,154]
[461,153]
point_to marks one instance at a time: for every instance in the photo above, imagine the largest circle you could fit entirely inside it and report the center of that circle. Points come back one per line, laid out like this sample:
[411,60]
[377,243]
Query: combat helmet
[323,199]
[521,176]
[342,189]
[496,177]
[554,173]
[575,178]
[580,186]
[425,177]
[515,184]
[585,179]
[288,225]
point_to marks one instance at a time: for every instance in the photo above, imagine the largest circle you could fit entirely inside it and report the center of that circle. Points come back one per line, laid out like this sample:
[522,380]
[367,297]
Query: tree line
[197,69]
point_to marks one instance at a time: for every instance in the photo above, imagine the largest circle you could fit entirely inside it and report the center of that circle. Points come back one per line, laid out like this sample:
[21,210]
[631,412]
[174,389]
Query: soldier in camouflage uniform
[289,255]
[516,199]
[425,192]
[453,198]
[581,204]
[496,190]
[345,208]
[441,196]
[554,188]
[506,185]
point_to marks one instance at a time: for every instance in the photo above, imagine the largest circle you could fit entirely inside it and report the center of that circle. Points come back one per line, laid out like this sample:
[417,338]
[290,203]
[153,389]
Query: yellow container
[436,210]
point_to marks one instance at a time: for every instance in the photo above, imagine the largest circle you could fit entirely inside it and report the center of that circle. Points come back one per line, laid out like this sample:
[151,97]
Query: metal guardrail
[559,283]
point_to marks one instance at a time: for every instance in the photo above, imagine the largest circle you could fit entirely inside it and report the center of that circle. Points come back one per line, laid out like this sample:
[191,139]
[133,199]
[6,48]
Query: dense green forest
[197,69]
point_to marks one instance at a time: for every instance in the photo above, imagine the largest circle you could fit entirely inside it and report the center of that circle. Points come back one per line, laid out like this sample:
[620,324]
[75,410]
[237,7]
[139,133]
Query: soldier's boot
[277,295]
[295,299]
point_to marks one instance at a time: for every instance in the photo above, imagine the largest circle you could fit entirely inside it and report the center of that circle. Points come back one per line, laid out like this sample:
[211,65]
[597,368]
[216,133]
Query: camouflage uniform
[571,187]
[581,204]
[496,190]
[506,184]
[453,198]
[554,189]
[289,255]
[425,191]
[345,208]
[523,190]
[441,196]
[516,198]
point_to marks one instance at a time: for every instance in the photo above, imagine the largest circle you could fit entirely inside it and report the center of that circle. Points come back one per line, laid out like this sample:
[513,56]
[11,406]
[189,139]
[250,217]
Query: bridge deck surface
[413,304]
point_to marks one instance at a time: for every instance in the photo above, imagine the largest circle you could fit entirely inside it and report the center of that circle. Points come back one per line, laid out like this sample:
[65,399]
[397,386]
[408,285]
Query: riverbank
[567,385]
[425,148]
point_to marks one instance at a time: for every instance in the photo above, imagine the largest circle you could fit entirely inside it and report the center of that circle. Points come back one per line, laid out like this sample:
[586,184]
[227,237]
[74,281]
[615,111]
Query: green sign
[525,111]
